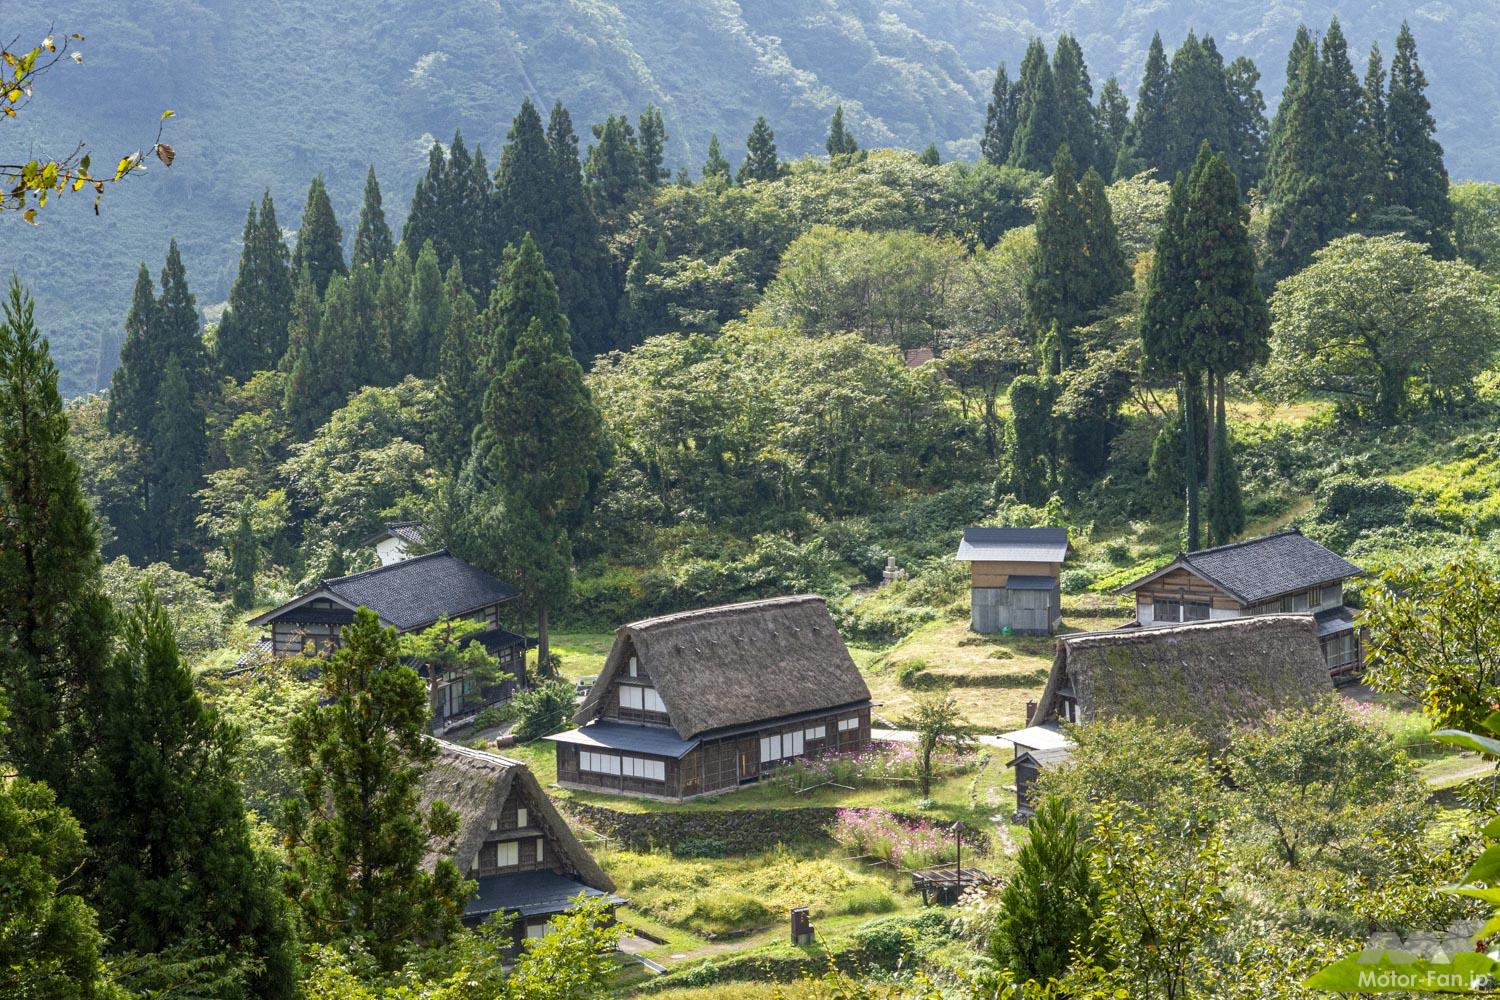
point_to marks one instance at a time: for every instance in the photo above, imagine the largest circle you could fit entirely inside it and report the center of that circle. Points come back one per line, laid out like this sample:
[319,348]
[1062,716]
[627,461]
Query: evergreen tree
[1247,122]
[1419,181]
[1303,209]
[320,241]
[1113,120]
[1049,906]
[244,562]
[1031,437]
[1197,104]
[55,623]
[178,332]
[392,303]
[426,313]
[174,459]
[1075,100]
[299,400]
[840,142]
[1039,125]
[453,207]
[252,333]
[1341,103]
[613,169]
[1000,119]
[1375,155]
[525,292]
[547,459]
[132,396]
[761,162]
[651,134]
[460,378]
[356,833]
[1146,148]
[1077,267]
[715,165]
[372,240]
[428,217]
[173,847]
[539,190]
[930,156]
[1226,509]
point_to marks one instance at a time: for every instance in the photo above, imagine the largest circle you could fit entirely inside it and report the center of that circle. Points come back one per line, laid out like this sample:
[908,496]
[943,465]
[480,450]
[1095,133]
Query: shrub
[727,910]
[543,710]
[909,674]
[861,900]
[1075,581]
[701,847]
[489,718]
[1348,506]
[888,941]
[705,973]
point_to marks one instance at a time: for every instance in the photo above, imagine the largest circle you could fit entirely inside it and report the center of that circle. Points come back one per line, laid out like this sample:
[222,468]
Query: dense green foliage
[1050,904]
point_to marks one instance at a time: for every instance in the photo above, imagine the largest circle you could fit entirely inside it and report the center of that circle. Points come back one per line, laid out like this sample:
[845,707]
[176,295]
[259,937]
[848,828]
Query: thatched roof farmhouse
[703,701]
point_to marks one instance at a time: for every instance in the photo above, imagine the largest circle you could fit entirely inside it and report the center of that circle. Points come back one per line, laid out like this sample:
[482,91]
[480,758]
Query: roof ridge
[447,746]
[1241,543]
[763,602]
[1284,616]
[388,566]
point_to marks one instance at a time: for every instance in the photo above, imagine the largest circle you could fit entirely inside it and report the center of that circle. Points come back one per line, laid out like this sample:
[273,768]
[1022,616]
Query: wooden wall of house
[997,574]
[506,827]
[568,770]
[610,707]
[1180,584]
[291,636]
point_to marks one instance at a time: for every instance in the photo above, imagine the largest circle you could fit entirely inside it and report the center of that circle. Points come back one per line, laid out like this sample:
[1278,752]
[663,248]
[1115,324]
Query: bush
[889,941]
[701,847]
[489,718]
[726,911]
[543,710]
[1075,581]
[705,973]
[861,900]
[909,674]
[1348,506]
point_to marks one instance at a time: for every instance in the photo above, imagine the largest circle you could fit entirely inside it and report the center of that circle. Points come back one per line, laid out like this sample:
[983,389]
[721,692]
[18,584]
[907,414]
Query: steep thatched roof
[738,664]
[1211,676]
[475,784]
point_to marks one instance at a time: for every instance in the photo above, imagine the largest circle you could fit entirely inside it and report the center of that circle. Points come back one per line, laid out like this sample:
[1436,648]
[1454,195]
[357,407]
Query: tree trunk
[1210,389]
[1190,454]
[543,650]
[926,771]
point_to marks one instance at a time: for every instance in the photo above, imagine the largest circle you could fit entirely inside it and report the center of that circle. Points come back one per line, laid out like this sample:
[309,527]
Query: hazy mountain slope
[268,94]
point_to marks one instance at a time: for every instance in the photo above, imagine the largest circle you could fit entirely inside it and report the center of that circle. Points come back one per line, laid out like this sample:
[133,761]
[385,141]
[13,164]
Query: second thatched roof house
[705,701]
[511,840]
[1211,677]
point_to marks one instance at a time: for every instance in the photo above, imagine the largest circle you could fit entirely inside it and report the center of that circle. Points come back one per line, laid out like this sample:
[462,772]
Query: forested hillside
[266,97]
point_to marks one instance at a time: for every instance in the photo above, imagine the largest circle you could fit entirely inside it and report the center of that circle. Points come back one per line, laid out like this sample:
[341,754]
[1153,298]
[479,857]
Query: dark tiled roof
[1261,568]
[1048,545]
[607,735]
[530,894]
[419,591]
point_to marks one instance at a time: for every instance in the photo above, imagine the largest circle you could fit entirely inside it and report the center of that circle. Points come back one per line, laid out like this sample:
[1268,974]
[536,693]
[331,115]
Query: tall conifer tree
[1375,153]
[461,377]
[132,396]
[1341,100]
[1075,100]
[714,165]
[1146,148]
[1000,119]
[392,300]
[55,623]
[761,160]
[1419,180]
[612,170]
[252,333]
[1197,104]
[426,313]
[1247,122]
[372,240]
[320,241]
[177,868]
[1113,118]
[840,141]
[651,134]
[1039,125]
[174,460]
[1303,210]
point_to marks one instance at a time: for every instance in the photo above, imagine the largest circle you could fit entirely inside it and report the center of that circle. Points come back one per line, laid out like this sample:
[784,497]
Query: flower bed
[878,763]
[909,844]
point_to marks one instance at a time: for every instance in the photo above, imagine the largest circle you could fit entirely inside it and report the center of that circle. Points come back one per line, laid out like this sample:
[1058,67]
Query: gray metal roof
[1333,622]
[419,591]
[1261,568]
[1045,545]
[530,894]
[606,735]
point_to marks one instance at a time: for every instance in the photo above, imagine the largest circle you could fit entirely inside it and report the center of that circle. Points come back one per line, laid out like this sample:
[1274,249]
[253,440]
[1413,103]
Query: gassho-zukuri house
[1275,574]
[511,841]
[411,595]
[1014,578]
[705,701]
[1212,677]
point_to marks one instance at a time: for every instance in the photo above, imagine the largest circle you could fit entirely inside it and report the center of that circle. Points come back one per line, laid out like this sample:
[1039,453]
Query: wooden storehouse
[1275,574]
[1013,578]
[511,841]
[706,701]
[1210,676]
[411,595]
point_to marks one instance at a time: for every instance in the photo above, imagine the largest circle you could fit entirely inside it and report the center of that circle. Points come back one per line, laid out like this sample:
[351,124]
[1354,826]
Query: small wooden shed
[1013,578]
